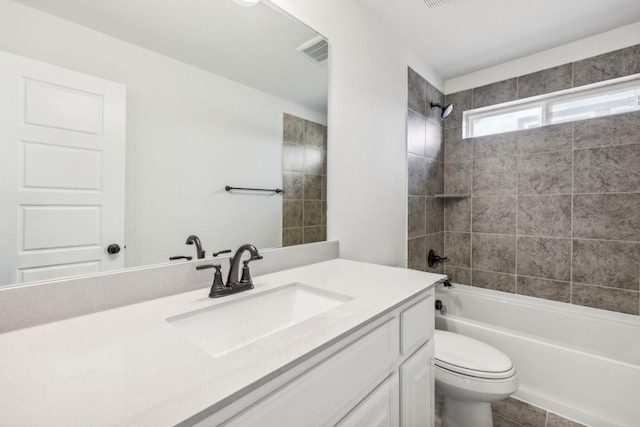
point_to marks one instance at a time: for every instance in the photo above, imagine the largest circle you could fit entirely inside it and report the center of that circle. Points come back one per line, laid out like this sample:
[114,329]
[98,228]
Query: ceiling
[255,46]
[463,36]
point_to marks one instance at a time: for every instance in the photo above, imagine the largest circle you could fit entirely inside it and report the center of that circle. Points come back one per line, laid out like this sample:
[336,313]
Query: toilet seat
[466,356]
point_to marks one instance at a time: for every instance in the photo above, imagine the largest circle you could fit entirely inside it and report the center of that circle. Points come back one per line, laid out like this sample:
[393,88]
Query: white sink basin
[229,326]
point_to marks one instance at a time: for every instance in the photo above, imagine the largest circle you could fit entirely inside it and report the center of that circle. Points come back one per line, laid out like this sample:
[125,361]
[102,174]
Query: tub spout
[447,284]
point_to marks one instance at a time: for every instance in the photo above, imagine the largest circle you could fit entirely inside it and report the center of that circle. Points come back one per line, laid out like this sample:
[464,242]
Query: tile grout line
[472,195]
[608,287]
[517,206]
[556,194]
[573,143]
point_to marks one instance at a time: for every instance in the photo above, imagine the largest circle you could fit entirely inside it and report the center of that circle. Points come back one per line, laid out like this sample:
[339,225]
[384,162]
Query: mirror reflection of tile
[304,176]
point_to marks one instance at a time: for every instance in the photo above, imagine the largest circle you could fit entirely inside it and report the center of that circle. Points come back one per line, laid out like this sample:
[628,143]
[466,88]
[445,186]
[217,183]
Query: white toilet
[470,375]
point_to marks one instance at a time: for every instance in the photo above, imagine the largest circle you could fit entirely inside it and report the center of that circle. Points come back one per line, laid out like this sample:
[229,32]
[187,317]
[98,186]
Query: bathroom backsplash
[554,212]
[31,305]
[426,173]
[304,177]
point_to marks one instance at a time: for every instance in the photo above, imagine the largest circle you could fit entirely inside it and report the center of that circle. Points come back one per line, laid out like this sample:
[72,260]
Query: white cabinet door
[62,197]
[379,409]
[416,389]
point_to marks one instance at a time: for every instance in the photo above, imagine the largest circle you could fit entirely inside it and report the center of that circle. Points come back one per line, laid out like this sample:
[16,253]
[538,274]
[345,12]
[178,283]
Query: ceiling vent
[431,4]
[316,49]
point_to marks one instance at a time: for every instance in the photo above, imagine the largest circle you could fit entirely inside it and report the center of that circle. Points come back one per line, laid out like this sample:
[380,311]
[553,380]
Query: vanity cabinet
[377,375]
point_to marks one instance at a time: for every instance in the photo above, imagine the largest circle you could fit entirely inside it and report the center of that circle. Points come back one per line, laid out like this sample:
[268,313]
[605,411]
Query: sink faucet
[232,279]
[193,239]
[233,286]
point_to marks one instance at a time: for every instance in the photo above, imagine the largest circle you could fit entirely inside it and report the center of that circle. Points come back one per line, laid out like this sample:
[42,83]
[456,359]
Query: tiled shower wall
[304,178]
[554,212]
[425,173]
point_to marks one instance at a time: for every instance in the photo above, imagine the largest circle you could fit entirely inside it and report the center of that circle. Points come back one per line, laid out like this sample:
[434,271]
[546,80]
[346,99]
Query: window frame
[547,101]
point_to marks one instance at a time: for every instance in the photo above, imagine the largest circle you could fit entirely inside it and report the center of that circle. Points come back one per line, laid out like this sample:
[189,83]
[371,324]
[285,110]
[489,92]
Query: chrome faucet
[193,239]
[245,280]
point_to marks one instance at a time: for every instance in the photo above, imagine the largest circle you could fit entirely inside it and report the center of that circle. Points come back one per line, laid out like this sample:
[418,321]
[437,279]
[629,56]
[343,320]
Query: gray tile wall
[425,158]
[304,180]
[554,212]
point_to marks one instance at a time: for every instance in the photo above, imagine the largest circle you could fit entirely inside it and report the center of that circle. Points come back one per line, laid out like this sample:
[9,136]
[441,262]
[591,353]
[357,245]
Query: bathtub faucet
[433,258]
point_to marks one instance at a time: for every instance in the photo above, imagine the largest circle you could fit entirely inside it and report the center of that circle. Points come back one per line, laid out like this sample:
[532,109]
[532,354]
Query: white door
[62,148]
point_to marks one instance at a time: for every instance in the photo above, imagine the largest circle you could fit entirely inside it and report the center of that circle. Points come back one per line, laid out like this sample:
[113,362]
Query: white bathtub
[578,362]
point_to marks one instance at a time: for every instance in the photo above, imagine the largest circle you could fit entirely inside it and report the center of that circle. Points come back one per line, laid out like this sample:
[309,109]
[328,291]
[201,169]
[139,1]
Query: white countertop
[129,366]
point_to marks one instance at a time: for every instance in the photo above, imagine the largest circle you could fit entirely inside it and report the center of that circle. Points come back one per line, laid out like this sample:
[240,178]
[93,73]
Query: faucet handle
[433,258]
[218,285]
[246,275]
[218,288]
[226,251]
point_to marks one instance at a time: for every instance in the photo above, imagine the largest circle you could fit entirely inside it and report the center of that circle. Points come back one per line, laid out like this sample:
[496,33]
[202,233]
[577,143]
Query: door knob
[113,249]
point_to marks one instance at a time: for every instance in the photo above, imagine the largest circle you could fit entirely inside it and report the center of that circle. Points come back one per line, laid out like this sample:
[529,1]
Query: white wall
[366,196]
[619,38]
[189,133]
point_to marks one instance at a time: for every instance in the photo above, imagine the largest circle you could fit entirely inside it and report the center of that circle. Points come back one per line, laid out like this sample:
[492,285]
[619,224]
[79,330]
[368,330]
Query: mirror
[208,85]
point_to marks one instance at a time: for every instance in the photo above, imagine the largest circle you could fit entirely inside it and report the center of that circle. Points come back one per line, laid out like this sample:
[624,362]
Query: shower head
[445,110]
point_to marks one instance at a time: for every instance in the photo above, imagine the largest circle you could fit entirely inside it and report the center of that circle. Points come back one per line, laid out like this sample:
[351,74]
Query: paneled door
[62,148]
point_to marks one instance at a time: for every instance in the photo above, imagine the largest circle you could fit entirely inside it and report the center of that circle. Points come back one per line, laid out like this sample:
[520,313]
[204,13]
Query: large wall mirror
[215,94]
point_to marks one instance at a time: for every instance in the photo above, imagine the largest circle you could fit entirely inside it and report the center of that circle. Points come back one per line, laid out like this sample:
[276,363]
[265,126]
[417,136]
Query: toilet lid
[468,356]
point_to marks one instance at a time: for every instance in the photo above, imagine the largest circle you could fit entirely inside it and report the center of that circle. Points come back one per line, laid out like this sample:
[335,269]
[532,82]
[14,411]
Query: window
[601,99]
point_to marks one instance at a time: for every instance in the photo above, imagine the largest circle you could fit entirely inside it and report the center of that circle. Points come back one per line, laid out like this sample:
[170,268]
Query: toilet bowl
[470,375]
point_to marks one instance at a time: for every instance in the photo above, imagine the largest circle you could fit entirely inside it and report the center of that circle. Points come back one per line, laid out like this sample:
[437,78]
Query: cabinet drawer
[380,409]
[327,391]
[417,324]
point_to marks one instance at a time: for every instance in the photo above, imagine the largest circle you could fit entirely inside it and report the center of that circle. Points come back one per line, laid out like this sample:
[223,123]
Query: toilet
[470,375]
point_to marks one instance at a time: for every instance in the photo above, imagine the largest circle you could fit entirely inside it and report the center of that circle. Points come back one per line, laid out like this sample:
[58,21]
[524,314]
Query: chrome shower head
[445,110]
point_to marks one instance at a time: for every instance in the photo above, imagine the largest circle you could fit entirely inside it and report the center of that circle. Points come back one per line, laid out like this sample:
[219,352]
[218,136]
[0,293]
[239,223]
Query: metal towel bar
[276,190]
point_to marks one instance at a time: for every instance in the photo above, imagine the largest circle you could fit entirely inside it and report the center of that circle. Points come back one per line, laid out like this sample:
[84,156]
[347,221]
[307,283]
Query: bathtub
[578,362]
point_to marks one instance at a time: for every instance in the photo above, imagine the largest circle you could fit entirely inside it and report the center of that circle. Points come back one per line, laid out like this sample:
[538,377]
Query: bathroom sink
[234,324]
